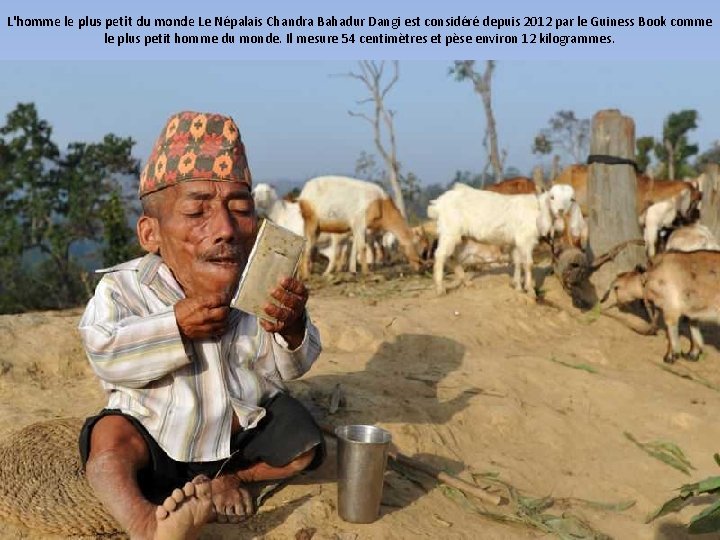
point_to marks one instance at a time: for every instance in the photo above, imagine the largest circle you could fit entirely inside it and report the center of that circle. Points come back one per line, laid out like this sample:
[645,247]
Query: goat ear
[545,220]
[576,219]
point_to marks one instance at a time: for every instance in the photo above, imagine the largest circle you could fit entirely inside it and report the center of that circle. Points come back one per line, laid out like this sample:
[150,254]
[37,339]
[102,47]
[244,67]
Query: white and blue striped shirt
[184,392]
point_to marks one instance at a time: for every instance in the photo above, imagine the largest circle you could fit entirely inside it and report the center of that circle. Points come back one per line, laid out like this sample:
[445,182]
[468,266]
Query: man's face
[205,231]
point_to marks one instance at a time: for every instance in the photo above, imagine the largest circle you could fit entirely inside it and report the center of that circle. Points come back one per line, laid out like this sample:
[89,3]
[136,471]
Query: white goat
[518,221]
[287,214]
[339,204]
[284,213]
[573,227]
[663,214]
[265,197]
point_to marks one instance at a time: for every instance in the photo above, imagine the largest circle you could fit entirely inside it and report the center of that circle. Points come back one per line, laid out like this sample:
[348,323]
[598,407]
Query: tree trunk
[483,86]
[371,76]
[710,215]
[611,196]
[392,162]
[555,168]
[670,159]
[538,176]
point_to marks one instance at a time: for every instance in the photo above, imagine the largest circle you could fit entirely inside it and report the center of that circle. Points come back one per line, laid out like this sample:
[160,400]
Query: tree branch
[371,74]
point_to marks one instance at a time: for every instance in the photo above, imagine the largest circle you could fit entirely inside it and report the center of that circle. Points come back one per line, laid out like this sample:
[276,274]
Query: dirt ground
[483,381]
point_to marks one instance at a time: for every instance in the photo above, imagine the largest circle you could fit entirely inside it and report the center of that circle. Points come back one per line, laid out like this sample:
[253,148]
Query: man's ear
[148,232]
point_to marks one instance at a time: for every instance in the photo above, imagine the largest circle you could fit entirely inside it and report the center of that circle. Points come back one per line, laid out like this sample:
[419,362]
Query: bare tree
[465,69]
[566,133]
[371,75]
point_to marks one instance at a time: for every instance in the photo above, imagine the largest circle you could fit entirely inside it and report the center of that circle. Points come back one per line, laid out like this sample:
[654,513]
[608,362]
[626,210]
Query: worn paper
[275,255]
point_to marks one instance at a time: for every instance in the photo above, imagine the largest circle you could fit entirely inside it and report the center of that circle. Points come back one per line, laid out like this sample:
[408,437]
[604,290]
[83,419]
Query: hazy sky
[294,119]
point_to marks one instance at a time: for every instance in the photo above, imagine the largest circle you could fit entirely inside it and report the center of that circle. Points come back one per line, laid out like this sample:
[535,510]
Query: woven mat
[42,485]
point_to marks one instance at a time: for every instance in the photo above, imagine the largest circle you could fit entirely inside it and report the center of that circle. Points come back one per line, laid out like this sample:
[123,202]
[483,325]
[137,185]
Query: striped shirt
[183,391]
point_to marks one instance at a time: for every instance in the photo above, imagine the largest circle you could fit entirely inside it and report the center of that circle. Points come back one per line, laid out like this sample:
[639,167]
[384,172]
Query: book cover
[276,254]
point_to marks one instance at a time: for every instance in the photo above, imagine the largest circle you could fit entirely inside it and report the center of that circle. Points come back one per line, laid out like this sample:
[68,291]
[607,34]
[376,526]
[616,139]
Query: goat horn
[614,252]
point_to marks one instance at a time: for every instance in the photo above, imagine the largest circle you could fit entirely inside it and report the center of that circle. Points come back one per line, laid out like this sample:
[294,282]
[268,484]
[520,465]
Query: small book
[276,254]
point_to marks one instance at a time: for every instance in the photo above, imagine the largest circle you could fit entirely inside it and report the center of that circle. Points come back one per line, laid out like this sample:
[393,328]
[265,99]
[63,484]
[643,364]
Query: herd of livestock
[349,221]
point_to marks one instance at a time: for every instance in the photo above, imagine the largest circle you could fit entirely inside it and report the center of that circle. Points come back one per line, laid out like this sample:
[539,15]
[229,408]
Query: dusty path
[479,381]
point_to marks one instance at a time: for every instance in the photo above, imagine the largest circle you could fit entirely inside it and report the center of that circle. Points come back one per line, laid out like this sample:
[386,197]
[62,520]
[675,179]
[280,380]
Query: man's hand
[202,317]
[292,295]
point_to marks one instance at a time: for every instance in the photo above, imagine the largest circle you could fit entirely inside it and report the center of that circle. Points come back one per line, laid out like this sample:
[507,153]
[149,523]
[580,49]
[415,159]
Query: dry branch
[371,76]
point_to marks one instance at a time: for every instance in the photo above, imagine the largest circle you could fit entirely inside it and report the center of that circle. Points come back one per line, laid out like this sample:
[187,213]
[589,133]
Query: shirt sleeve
[292,364]
[127,348]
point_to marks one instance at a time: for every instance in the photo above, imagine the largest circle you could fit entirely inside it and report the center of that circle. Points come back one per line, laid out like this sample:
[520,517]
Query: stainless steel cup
[361,459]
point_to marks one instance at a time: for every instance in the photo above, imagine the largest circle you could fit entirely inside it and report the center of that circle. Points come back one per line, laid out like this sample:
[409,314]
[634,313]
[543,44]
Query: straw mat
[42,485]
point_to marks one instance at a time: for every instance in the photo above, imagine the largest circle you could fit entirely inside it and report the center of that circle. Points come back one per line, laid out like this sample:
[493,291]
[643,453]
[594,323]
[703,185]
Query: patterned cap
[195,146]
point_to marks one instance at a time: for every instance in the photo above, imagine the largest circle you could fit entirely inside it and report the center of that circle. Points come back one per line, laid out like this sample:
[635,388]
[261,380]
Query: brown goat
[338,204]
[514,186]
[648,192]
[680,284]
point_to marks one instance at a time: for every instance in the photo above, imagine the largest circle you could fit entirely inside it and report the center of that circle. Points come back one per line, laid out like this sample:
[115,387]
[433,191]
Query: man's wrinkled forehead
[208,190]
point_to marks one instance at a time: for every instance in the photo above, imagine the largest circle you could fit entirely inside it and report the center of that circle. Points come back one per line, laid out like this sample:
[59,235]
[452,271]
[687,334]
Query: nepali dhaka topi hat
[195,146]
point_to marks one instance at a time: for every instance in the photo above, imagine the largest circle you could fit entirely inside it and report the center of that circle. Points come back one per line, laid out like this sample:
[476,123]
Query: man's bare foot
[185,511]
[231,500]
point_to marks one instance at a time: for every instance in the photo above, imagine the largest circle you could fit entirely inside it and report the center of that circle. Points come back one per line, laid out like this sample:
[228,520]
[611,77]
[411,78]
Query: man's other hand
[291,295]
[202,317]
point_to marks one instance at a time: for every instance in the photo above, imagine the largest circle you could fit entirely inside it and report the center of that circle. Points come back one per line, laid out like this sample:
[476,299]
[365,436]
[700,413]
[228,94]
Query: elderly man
[197,406]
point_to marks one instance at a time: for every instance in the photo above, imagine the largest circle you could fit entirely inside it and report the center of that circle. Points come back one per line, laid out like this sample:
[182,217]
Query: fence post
[612,190]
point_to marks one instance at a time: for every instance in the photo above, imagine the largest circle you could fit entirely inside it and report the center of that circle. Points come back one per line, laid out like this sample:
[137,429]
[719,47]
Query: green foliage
[581,367]
[119,240]
[415,204]
[542,145]
[674,149]
[367,168]
[643,146]
[665,451]
[40,286]
[533,512]
[471,179]
[706,521]
[711,155]
[465,69]
[685,374]
[50,200]
[565,133]
[678,124]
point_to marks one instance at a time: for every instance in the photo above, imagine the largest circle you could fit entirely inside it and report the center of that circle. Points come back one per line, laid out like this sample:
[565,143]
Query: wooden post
[612,215]
[710,210]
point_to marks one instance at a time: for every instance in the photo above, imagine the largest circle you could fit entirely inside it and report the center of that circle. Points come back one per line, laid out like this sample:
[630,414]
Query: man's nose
[223,226]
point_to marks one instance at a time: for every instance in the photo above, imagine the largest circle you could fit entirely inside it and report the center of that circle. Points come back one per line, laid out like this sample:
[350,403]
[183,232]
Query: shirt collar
[154,273]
